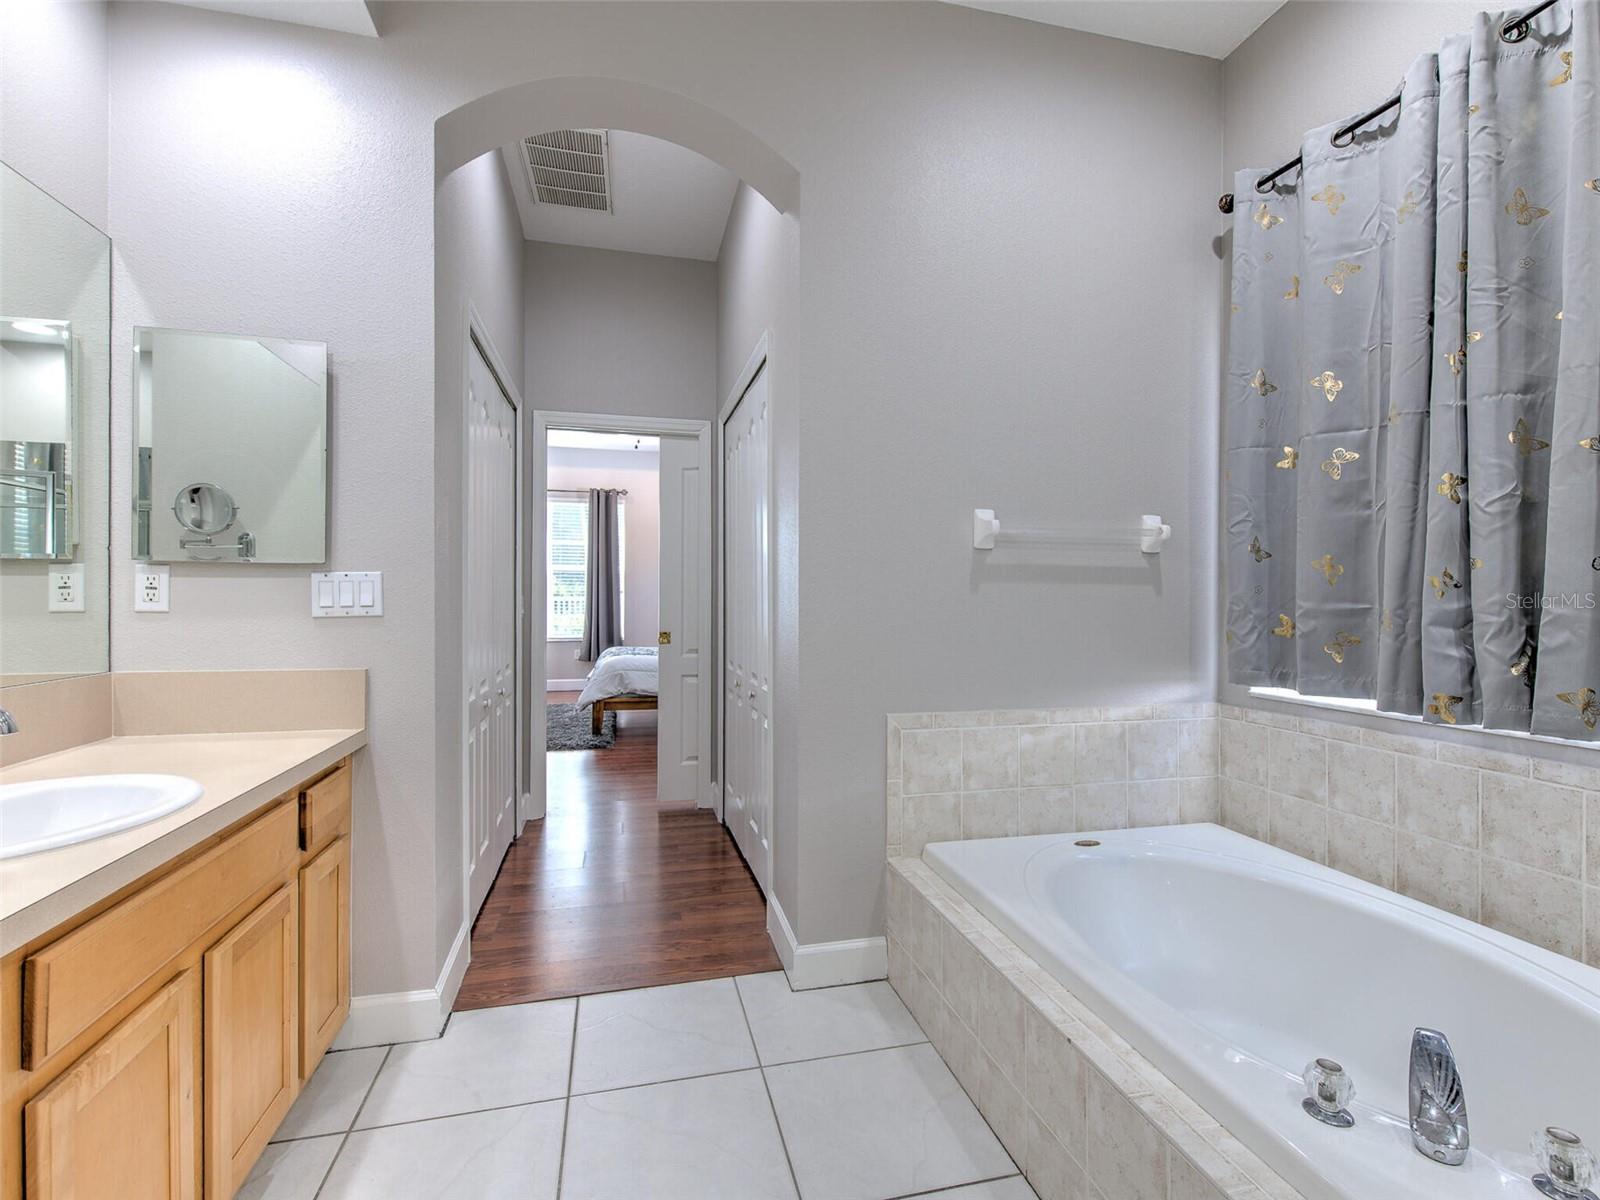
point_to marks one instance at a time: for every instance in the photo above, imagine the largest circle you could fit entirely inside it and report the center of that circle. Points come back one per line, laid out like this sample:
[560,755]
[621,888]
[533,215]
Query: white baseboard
[825,964]
[565,685]
[384,1017]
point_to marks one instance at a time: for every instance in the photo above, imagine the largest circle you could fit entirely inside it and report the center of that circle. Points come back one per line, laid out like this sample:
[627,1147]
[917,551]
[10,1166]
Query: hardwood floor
[613,890]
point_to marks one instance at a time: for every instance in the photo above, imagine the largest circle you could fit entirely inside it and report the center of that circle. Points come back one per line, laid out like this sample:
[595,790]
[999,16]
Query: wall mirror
[231,448]
[55,356]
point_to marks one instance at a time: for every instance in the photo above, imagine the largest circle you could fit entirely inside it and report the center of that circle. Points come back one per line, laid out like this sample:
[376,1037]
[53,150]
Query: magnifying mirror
[204,508]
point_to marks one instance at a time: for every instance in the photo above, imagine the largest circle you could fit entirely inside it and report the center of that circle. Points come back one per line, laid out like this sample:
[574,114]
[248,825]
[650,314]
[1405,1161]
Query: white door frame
[475,330]
[543,422]
[758,359]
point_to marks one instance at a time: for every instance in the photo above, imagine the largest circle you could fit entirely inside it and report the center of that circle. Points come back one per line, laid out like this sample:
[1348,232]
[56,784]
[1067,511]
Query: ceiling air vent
[568,167]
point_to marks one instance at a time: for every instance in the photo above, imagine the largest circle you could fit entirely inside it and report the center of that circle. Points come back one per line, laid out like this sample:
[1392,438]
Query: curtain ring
[1263,191]
[1348,134]
[1515,32]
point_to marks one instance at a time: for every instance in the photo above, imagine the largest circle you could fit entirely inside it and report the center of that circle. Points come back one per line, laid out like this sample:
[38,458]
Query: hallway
[612,890]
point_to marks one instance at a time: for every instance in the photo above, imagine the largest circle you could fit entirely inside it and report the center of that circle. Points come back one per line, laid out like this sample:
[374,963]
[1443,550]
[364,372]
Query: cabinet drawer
[75,980]
[325,807]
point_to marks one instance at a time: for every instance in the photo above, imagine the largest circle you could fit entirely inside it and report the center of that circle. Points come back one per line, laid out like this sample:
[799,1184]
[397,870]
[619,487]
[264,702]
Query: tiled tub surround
[953,776]
[1509,840]
[1086,1116]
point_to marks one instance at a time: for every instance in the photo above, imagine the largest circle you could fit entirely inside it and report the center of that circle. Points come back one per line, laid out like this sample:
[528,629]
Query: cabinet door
[123,1120]
[324,951]
[251,1036]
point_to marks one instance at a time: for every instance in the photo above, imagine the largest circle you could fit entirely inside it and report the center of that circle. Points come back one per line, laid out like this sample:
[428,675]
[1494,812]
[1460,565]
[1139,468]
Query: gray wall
[986,279]
[612,332]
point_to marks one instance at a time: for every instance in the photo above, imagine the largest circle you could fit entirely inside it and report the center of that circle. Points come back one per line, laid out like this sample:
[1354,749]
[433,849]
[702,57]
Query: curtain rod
[1513,31]
[583,491]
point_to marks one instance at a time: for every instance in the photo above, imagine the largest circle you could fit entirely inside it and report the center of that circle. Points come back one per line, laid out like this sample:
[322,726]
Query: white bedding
[622,670]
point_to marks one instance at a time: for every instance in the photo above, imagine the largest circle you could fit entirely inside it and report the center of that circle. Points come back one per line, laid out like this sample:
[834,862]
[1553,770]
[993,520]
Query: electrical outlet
[66,588]
[152,587]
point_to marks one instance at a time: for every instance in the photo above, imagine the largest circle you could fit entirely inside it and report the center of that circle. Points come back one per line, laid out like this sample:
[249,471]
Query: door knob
[664,637]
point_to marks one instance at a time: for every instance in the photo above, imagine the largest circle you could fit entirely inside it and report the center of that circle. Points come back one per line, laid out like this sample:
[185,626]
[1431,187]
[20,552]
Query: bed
[624,678]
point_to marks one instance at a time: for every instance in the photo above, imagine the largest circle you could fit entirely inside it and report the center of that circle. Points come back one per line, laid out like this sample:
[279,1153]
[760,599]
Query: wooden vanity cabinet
[151,1046]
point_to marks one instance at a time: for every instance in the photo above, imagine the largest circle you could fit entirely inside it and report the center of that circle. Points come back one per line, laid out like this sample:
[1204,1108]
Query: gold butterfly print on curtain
[1523,209]
[1260,383]
[1290,459]
[1330,384]
[1264,218]
[1330,569]
[1450,486]
[1522,438]
[1294,288]
[1444,707]
[1584,701]
[1336,462]
[1332,197]
[1285,627]
[1407,206]
[1566,74]
[1341,642]
[1591,443]
[1443,582]
[1259,552]
[1341,275]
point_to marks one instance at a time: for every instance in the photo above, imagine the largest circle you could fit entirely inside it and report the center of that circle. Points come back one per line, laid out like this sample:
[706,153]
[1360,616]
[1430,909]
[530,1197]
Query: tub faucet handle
[1329,1092]
[1567,1168]
[1438,1100]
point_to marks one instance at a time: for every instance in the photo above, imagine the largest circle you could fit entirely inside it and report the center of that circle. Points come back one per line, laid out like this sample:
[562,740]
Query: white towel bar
[1148,536]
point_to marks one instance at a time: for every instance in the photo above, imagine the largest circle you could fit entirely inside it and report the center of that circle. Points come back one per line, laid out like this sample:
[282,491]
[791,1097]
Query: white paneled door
[747,628]
[489,618]
[683,720]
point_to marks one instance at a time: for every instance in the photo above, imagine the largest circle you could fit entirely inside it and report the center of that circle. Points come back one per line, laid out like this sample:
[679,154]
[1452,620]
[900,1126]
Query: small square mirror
[231,448]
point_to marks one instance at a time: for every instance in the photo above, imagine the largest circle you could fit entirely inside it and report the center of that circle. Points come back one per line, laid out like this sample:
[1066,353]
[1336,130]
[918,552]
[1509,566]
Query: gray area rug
[567,728]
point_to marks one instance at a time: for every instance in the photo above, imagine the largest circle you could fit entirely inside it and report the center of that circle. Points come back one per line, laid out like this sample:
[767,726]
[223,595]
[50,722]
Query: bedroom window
[567,562]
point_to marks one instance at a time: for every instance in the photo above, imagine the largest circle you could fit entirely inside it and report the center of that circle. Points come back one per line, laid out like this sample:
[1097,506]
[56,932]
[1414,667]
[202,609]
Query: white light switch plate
[152,587]
[66,588]
[347,593]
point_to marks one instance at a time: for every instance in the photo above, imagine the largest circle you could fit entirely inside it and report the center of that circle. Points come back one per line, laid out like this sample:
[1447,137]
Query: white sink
[59,812]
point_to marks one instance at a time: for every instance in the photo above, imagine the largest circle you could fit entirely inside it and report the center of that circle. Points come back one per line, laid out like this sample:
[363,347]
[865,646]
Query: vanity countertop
[239,771]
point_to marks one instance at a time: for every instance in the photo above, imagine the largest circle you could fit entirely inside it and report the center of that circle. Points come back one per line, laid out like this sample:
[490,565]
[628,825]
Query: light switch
[347,594]
[66,588]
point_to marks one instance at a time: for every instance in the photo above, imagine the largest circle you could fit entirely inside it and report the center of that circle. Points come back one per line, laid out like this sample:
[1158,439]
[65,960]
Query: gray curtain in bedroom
[1413,395]
[602,613]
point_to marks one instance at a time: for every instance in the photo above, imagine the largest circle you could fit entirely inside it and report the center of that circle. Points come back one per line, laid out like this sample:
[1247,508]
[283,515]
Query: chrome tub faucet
[8,723]
[1438,1100]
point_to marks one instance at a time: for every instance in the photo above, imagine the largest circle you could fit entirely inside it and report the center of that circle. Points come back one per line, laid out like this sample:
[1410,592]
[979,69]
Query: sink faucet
[1438,1100]
[8,723]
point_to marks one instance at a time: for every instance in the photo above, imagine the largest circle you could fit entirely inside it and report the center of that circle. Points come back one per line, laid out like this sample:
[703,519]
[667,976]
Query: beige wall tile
[56,714]
[1052,1172]
[1297,765]
[1045,755]
[924,935]
[1334,731]
[154,702]
[1101,752]
[1361,781]
[1484,759]
[1000,1026]
[1200,800]
[894,824]
[1184,1181]
[1199,748]
[1361,848]
[1299,826]
[1591,805]
[1126,1156]
[990,814]
[1400,743]
[1046,810]
[1532,823]
[1546,910]
[1591,910]
[1153,749]
[892,751]
[1244,752]
[1022,716]
[930,819]
[962,720]
[962,968]
[988,758]
[1245,809]
[1437,799]
[1437,873]
[930,761]
[1076,716]
[1578,775]
[1101,806]
[1155,802]
[1056,1081]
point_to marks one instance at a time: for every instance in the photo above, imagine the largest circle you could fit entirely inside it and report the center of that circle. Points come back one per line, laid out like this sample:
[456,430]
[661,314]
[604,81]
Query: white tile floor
[736,1088]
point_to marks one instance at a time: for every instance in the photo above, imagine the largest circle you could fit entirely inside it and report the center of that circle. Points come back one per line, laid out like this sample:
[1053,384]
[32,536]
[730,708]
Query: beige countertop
[239,771]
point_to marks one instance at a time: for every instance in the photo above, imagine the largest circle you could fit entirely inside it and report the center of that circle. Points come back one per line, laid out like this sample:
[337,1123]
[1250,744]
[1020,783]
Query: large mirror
[55,403]
[231,448]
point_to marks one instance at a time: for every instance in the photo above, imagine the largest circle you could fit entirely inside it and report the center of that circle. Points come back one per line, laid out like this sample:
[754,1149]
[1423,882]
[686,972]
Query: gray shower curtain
[602,612]
[1413,405]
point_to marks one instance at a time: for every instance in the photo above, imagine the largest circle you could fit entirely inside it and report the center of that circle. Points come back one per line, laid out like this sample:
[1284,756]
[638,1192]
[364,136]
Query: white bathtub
[1230,965]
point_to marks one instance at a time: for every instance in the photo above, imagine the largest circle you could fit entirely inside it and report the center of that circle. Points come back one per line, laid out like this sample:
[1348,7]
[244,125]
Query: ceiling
[586,439]
[665,199]
[1213,28]
[343,16]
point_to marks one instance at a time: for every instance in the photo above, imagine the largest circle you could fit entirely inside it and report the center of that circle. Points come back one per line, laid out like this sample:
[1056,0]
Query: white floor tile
[333,1094]
[290,1170]
[791,1025]
[487,1058]
[506,1154]
[711,1138]
[660,1033]
[1015,1188]
[885,1123]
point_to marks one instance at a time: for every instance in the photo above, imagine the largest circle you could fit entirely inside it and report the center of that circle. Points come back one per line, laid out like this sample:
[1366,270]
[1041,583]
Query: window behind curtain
[567,563]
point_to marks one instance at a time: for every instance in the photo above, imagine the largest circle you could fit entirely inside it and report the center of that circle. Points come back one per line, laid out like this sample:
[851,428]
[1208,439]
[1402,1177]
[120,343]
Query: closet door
[683,722]
[747,632]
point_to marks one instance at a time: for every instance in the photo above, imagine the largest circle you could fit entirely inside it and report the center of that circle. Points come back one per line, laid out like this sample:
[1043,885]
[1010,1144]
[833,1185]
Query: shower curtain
[602,606]
[1412,453]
